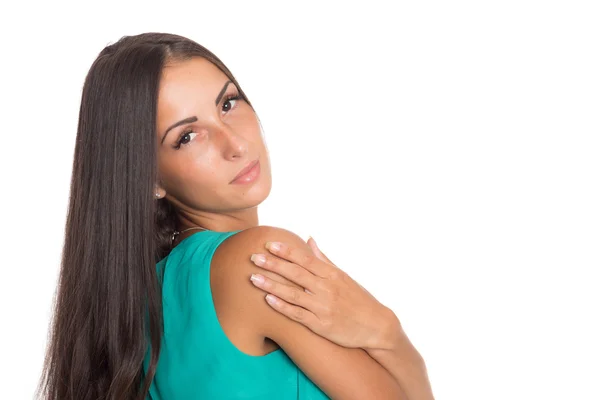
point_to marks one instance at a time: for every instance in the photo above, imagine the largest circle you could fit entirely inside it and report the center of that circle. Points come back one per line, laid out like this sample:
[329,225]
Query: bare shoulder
[231,267]
[232,257]
[340,372]
[256,237]
[241,308]
[234,253]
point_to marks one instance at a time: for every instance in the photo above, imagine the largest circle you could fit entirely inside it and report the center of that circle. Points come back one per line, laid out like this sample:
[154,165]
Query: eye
[185,138]
[230,102]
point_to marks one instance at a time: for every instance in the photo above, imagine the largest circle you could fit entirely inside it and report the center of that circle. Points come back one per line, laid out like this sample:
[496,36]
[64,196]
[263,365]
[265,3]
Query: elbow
[385,391]
[396,393]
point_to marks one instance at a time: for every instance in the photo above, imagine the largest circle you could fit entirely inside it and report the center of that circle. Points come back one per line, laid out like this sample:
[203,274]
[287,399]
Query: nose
[233,144]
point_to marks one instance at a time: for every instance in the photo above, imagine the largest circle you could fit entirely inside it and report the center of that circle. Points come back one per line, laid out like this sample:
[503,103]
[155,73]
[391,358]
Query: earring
[157,195]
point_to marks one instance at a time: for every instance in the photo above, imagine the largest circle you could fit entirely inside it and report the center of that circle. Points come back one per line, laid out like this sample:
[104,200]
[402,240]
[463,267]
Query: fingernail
[273,246]
[257,279]
[258,259]
[271,299]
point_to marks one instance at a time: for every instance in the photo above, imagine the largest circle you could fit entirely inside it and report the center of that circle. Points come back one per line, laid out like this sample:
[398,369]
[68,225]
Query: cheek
[198,174]
[182,176]
[247,124]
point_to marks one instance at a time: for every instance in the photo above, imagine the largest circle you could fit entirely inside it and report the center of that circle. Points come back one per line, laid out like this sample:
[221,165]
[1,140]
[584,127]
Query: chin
[259,193]
[252,195]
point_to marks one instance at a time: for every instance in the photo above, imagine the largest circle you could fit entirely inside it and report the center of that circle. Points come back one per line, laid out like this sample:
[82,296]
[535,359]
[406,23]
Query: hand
[332,304]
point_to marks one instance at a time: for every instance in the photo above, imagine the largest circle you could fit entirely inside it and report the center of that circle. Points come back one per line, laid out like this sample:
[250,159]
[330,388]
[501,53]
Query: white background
[444,154]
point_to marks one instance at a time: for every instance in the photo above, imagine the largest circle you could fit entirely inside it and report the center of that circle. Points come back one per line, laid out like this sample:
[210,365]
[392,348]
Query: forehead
[197,75]
[196,69]
[186,85]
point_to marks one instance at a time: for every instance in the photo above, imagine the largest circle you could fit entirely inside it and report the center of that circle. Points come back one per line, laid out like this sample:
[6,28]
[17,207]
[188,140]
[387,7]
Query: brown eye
[230,102]
[185,138]
[183,141]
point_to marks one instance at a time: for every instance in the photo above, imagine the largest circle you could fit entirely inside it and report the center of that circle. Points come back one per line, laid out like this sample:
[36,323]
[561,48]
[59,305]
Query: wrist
[393,340]
[391,334]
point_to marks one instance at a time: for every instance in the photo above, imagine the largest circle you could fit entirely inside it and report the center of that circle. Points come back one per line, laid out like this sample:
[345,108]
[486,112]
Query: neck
[218,222]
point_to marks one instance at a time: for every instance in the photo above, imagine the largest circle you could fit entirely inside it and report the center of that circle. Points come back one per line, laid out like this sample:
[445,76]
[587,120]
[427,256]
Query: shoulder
[231,269]
[232,266]
[340,372]
[236,247]
[256,234]
[241,307]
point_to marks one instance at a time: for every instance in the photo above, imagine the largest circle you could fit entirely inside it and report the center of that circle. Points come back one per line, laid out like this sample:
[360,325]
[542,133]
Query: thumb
[313,245]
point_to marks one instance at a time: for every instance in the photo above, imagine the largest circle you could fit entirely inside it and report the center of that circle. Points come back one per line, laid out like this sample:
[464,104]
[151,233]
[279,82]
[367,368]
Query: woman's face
[205,138]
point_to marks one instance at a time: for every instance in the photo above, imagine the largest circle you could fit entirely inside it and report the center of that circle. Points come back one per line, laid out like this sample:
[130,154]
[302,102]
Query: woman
[154,296]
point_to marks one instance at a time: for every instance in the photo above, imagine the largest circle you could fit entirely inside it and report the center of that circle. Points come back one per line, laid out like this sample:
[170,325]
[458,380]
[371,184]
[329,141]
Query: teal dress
[197,360]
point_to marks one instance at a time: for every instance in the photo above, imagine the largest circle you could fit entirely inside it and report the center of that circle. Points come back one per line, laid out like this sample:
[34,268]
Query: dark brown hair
[108,308]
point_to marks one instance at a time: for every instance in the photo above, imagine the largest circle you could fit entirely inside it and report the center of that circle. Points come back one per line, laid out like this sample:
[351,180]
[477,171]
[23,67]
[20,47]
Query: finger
[313,245]
[292,272]
[295,313]
[290,294]
[296,256]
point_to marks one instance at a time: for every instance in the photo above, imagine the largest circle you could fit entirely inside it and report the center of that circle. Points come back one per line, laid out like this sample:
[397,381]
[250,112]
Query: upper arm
[339,371]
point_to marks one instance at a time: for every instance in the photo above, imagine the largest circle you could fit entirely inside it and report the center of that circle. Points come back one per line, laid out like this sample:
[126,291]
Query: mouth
[248,174]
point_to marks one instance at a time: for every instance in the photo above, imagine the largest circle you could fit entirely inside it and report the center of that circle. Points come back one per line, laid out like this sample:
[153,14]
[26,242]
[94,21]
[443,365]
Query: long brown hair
[108,308]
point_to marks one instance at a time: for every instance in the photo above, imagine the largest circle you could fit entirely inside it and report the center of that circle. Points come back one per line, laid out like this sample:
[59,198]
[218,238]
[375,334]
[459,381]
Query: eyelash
[227,98]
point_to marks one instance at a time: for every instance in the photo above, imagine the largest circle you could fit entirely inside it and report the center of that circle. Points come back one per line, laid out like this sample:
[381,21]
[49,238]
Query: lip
[248,174]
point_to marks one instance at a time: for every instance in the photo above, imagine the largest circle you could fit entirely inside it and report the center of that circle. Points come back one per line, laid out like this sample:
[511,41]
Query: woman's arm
[341,310]
[394,351]
[342,373]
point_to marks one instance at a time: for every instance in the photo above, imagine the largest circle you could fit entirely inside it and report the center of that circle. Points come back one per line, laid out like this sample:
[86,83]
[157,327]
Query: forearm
[398,356]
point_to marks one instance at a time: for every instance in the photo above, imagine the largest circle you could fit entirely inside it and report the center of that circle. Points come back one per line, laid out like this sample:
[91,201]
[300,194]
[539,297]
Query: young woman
[155,297]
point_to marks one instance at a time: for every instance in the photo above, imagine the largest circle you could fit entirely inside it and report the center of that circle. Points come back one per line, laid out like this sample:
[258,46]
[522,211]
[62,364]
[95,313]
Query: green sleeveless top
[197,360]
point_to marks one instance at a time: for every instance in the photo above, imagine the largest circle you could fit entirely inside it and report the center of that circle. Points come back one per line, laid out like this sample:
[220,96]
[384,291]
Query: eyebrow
[222,92]
[194,118]
[176,124]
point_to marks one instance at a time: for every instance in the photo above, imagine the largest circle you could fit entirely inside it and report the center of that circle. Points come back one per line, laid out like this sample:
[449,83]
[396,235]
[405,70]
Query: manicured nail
[258,259]
[271,299]
[257,279]
[274,246]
